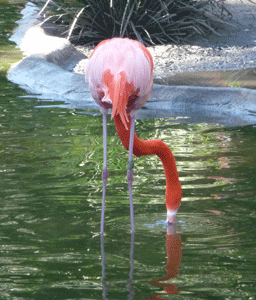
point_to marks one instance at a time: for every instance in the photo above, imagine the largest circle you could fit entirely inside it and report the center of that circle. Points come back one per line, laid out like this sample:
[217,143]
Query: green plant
[149,21]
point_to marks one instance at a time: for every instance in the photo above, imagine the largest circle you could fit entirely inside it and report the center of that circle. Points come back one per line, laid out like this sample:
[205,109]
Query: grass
[149,21]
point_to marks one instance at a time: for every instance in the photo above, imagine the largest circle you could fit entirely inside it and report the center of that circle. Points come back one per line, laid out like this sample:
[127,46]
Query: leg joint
[130,165]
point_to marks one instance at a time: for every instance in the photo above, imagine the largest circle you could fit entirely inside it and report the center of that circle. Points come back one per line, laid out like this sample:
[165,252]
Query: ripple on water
[51,189]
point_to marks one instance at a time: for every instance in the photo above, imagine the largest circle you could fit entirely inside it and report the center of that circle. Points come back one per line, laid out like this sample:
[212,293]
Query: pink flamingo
[120,76]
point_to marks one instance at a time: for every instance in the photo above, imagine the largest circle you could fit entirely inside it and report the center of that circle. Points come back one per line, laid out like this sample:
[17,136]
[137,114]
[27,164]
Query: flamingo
[120,77]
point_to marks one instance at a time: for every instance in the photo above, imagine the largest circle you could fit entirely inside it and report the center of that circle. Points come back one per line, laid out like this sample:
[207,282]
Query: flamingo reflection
[173,249]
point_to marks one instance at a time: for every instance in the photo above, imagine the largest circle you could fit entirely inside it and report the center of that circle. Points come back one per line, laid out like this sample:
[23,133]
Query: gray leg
[129,171]
[105,169]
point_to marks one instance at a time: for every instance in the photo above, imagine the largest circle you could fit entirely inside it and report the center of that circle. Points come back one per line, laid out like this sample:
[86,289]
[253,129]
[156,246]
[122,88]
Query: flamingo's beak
[171,216]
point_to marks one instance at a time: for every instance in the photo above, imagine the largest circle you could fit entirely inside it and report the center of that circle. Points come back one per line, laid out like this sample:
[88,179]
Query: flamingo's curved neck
[148,147]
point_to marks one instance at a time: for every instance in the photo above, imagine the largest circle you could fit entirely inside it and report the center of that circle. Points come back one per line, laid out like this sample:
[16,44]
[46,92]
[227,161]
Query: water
[50,189]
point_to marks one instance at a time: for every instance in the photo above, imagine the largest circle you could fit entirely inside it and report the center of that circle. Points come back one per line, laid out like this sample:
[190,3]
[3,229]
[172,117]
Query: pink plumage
[118,69]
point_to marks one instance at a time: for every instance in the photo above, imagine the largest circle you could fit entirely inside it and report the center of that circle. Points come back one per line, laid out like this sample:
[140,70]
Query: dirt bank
[234,49]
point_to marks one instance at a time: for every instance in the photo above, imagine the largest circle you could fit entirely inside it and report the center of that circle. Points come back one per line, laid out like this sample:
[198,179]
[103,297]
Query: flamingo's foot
[171,216]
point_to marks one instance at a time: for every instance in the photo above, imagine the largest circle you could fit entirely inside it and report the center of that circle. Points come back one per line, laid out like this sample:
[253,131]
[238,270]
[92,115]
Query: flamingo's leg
[129,281]
[104,284]
[129,171]
[105,169]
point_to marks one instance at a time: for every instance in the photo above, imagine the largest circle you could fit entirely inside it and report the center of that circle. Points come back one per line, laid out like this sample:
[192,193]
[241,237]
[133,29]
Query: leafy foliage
[149,21]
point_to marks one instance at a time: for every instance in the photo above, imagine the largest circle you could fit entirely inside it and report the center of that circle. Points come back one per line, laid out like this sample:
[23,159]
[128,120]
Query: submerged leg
[105,169]
[129,281]
[104,284]
[129,171]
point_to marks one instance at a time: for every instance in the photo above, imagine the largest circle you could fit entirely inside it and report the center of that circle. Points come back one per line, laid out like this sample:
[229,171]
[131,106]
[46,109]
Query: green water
[50,190]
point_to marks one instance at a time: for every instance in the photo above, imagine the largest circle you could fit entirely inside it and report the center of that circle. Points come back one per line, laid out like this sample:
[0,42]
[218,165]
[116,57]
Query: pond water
[51,189]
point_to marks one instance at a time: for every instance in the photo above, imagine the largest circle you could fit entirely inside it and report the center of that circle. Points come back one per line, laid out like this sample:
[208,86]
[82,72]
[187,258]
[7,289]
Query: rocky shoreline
[170,60]
[234,49]
[53,70]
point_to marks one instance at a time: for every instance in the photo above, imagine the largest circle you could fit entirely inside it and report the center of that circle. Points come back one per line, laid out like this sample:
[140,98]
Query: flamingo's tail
[119,91]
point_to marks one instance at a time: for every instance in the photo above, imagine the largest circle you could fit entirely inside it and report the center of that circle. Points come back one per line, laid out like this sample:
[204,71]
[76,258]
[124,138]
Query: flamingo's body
[120,75]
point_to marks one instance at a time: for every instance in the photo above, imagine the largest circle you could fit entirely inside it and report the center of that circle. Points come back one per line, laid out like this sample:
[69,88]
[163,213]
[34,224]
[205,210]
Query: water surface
[51,162]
